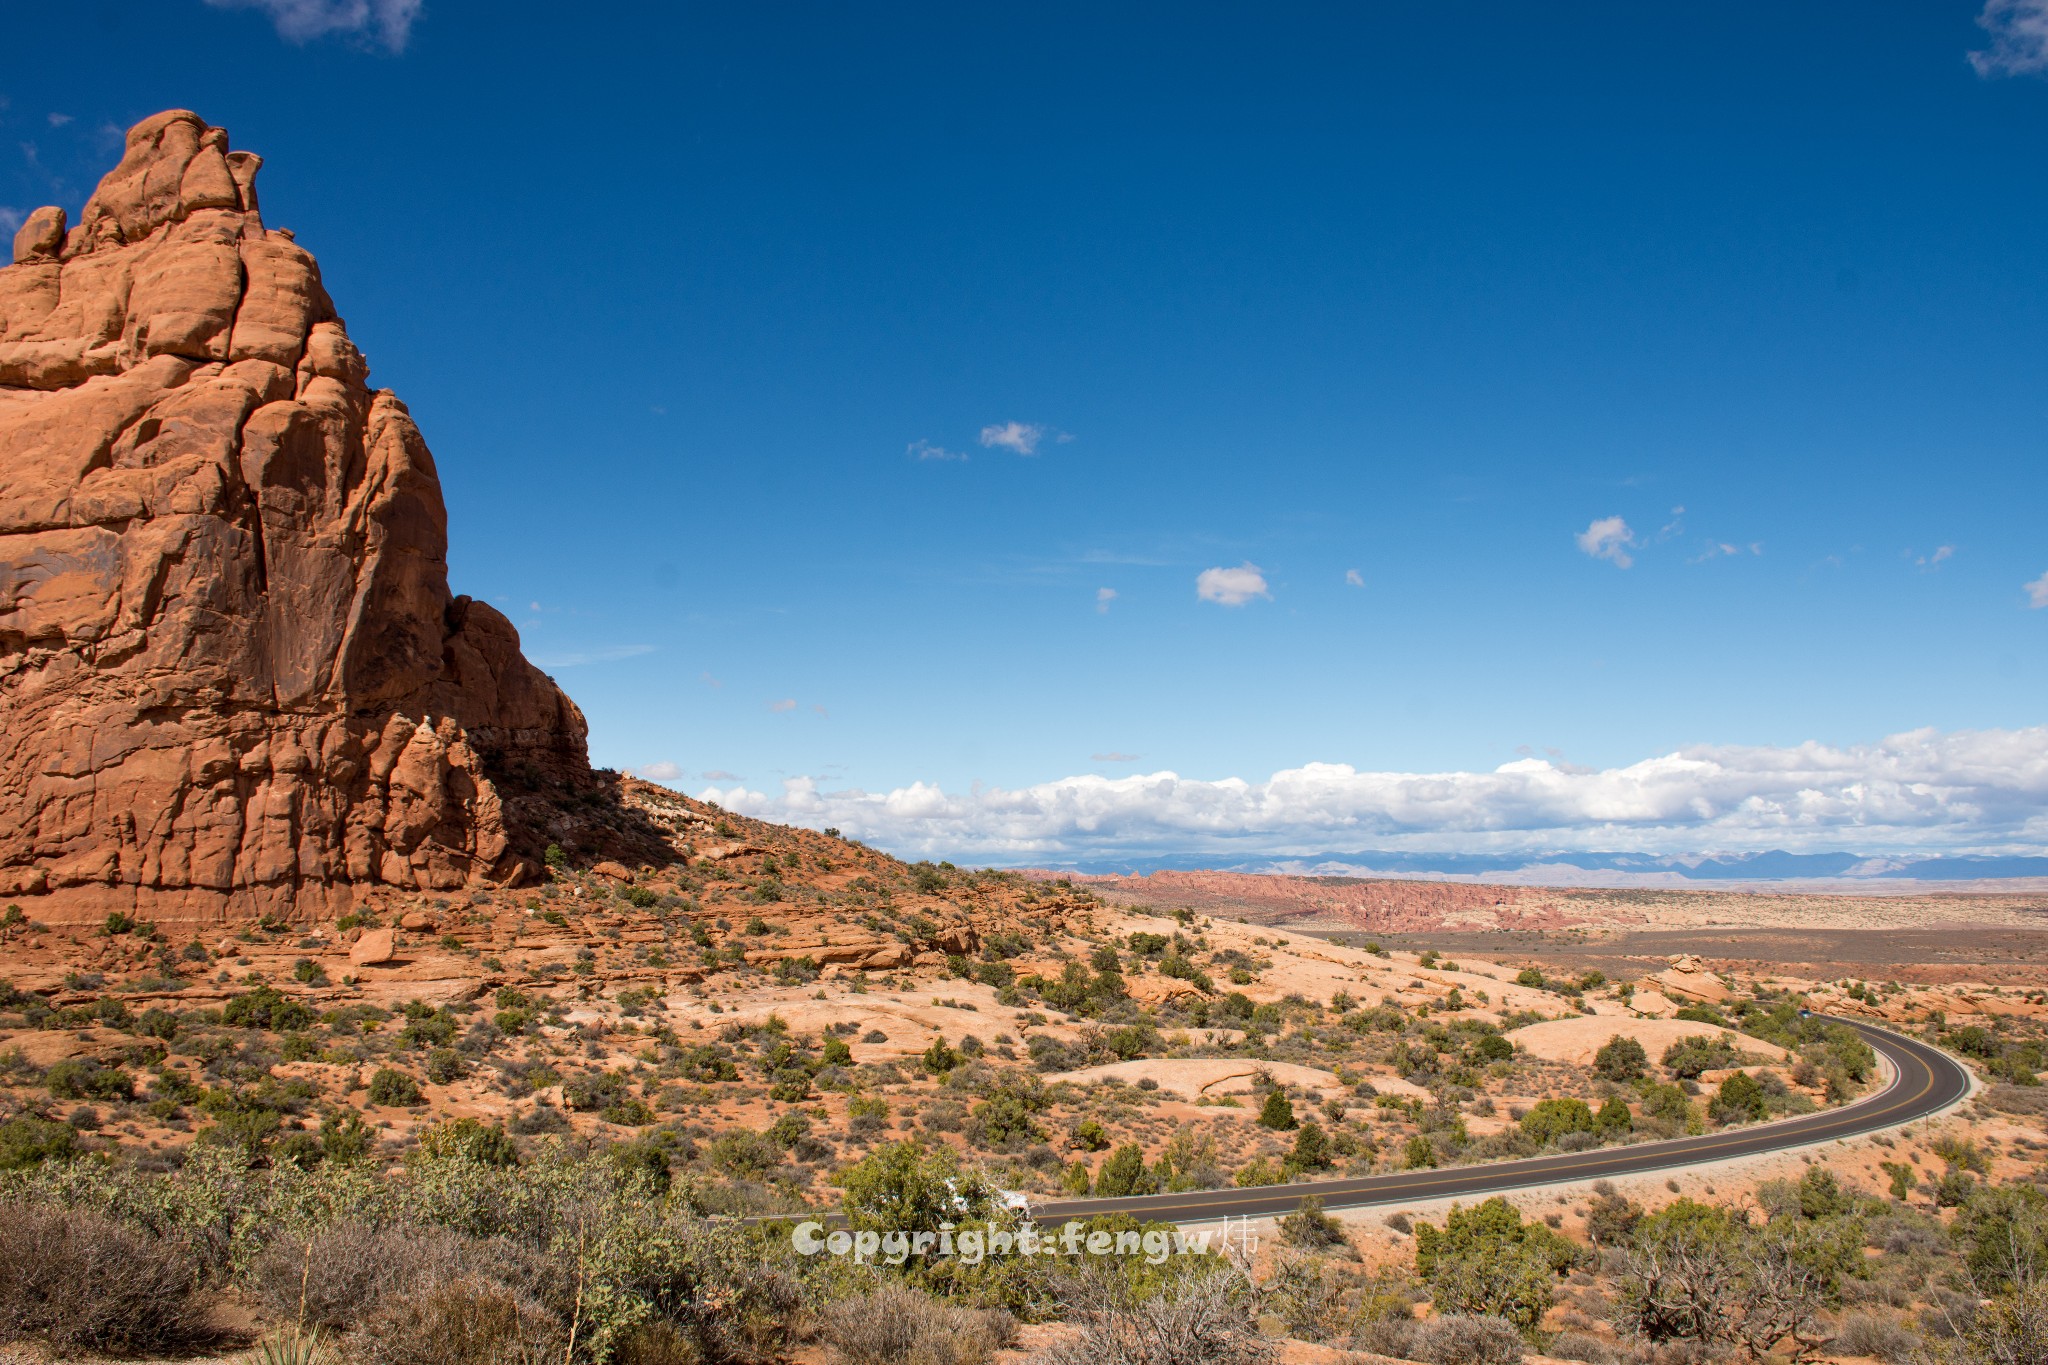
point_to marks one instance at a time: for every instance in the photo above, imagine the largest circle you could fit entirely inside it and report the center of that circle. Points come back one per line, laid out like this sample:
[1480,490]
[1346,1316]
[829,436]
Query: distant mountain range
[1560,867]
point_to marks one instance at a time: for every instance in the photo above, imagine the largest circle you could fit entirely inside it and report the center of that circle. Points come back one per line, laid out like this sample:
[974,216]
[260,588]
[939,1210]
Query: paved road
[1924,1081]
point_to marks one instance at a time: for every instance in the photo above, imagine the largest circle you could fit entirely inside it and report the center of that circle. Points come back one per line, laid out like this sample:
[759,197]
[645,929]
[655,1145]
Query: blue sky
[1009,426]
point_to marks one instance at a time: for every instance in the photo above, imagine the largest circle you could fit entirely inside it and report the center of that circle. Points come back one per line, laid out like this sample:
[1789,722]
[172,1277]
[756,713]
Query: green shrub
[1277,1112]
[248,1131]
[1740,1099]
[909,1187]
[1310,1228]
[1311,1149]
[743,1154]
[28,1141]
[1667,1102]
[1621,1059]
[470,1140]
[81,1078]
[266,1007]
[345,1138]
[1487,1261]
[1552,1119]
[392,1087]
[630,1112]
[1689,1057]
[1125,1173]
[590,1092]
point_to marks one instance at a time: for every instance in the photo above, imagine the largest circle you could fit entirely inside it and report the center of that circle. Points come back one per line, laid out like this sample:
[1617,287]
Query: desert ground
[773,1019]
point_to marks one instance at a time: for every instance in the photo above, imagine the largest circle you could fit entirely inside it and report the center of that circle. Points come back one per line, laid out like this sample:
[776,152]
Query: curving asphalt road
[1924,1081]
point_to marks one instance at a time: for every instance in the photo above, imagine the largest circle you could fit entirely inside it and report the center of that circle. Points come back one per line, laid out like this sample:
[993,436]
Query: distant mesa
[233,679]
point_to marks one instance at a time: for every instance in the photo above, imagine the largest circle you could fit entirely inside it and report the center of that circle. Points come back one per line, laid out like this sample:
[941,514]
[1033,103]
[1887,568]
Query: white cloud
[389,22]
[786,704]
[1022,437]
[1717,548]
[1934,561]
[1354,578]
[721,775]
[1103,597]
[59,120]
[2037,592]
[12,219]
[2019,38]
[1984,789]
[1609,538]
[657,772]
[1113,757]
[1232,587]
[579,658]
[925,450]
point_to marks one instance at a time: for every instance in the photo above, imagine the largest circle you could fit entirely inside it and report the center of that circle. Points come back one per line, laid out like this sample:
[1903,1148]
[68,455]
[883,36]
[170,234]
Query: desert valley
[350,1013]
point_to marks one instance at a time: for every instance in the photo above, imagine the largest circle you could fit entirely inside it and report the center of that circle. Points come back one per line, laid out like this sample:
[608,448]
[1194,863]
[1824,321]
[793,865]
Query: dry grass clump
[895,1325]
[84,1282]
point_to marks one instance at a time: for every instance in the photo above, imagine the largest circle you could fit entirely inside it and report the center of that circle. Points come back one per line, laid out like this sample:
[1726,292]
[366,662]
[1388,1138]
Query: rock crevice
[233,679]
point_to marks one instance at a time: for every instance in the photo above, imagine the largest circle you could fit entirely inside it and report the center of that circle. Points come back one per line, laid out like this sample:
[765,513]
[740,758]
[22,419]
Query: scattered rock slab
[375,946]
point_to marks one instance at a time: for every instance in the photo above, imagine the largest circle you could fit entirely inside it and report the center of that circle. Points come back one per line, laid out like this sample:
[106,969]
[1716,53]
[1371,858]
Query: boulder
[234,681]
[375,946]
[958,938]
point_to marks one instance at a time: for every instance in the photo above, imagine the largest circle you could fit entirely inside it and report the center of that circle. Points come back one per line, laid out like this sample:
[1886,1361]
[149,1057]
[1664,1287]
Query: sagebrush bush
[465,1321]
[895,1325]
[571,1232]
[1582,1346]
[1197,1315]
[82,1281]
[1865,1334]
[340,1275]
[1456,1339]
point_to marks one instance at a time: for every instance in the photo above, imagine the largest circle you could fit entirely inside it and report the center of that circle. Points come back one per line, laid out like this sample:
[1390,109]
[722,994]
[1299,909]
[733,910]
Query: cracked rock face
[233,681]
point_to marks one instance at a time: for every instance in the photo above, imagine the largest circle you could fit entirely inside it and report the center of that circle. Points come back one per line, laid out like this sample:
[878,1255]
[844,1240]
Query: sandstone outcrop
[233,679]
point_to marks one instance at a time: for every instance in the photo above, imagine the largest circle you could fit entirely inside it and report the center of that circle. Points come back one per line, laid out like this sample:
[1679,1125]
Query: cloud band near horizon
[1963,791]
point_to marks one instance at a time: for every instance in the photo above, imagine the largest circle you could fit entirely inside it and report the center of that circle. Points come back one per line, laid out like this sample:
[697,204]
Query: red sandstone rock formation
[233,680]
